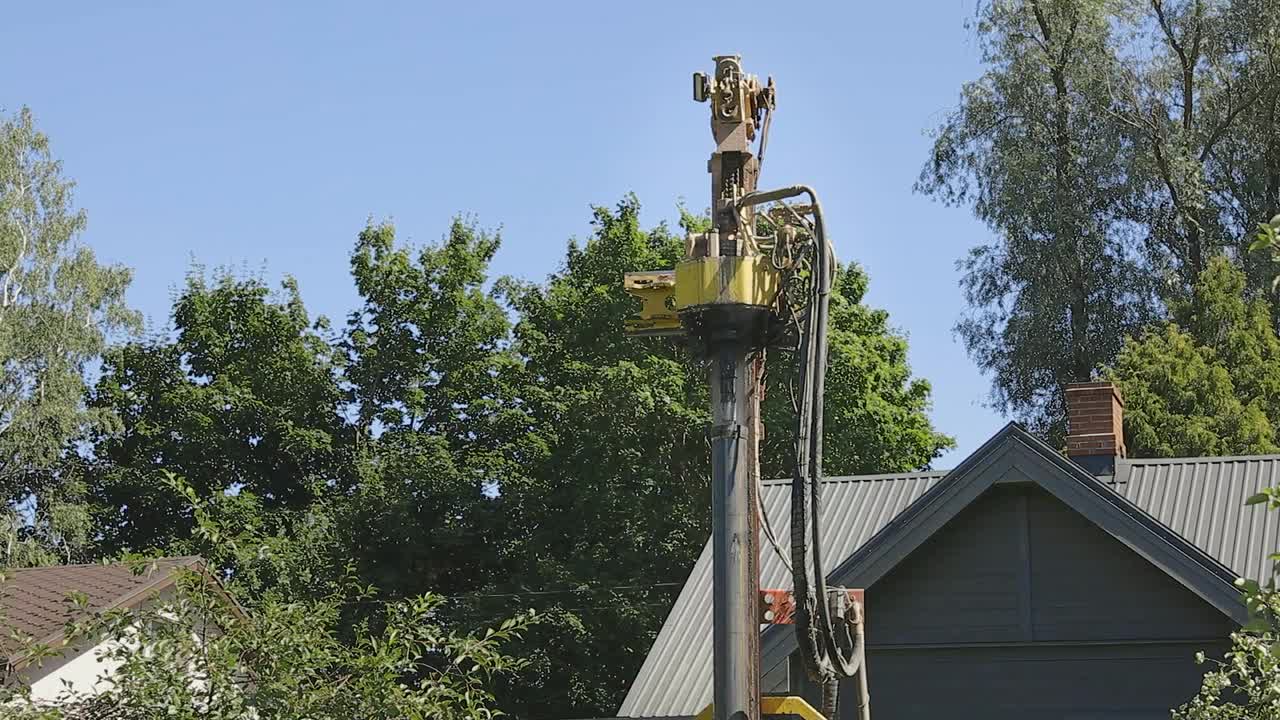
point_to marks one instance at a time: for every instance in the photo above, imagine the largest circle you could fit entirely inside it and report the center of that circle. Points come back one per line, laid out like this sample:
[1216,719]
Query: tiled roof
[1200,499]
[34,601]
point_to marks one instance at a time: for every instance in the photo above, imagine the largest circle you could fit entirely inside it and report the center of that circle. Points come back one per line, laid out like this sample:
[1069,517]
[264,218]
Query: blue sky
[262,135]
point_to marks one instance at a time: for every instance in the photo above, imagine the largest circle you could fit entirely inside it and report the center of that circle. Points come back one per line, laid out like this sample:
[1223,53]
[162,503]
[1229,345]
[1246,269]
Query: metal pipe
[861,696]
[736,585]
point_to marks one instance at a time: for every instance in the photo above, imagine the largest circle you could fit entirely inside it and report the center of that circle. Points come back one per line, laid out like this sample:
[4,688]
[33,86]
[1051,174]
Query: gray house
[1018,585]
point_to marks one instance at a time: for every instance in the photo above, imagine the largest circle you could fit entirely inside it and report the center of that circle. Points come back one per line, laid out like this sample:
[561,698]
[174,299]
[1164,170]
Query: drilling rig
[758,280]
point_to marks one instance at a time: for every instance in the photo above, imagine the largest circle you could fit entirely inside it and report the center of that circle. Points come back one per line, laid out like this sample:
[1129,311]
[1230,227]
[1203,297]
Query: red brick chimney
[1095,426]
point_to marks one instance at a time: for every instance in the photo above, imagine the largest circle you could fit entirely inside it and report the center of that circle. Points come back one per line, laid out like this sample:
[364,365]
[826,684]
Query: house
[1022,584]
[34,604]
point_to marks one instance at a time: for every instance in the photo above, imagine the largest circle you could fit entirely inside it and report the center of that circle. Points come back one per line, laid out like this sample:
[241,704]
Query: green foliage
[1267,240]
[53,527]
[244,397]
[436,446]
[424,347]
[1207,383]
[1245,685]
[58,307]
[621,499]
[199,655]
[440,422]
[1113,148]
[1035,151]
[1197,82]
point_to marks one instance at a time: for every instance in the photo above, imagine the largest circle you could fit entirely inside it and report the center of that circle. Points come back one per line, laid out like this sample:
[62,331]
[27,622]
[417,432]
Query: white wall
[81,671]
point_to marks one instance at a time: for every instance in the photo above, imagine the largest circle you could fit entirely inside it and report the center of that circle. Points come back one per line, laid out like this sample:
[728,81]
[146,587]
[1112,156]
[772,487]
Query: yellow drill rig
[759,278]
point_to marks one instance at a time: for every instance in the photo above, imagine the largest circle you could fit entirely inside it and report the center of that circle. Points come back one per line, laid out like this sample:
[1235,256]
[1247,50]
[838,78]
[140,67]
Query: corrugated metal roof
[676,675]
[1201,499]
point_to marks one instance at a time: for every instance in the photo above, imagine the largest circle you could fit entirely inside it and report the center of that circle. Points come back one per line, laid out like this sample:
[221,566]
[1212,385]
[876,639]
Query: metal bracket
[656,292]
[778,607]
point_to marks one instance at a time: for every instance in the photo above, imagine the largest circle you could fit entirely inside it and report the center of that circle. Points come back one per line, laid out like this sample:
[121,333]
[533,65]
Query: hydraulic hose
[826,658]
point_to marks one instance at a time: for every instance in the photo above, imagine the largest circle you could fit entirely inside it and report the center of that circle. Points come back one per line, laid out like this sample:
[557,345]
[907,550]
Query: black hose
[807,633]
[825,657]
[845,659]
[830,698]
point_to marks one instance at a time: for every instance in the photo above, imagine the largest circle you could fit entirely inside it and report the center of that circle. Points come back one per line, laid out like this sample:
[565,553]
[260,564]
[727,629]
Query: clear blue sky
[262,135]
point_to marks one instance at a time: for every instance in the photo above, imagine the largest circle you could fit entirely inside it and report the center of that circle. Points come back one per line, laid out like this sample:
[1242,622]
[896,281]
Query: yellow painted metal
[777,707]
[734,280]
[656,291]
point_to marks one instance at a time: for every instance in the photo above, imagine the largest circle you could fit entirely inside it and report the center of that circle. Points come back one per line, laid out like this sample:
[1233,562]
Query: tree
[559,465]
[198,655]
[1242,165]
[1197,111]
[1164,102]
[1114,147]
[1035,150]
[618,510]
[1207,383]
[243,398]
[438,412]
[58,307]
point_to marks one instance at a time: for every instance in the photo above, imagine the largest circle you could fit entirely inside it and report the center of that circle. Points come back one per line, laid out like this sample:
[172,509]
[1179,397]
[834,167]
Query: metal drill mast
[723,297]
[729,333]
[741,287]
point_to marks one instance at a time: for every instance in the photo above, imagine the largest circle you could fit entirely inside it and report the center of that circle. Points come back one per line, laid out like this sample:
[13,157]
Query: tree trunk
[1271,160]
[1068,231]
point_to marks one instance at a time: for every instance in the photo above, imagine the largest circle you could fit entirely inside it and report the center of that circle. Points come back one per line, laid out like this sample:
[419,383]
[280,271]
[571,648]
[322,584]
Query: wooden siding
[1021,608]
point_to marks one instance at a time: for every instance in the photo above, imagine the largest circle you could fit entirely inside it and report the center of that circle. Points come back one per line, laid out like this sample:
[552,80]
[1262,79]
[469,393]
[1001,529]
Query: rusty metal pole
[728,297]
[733,530]
[730,334]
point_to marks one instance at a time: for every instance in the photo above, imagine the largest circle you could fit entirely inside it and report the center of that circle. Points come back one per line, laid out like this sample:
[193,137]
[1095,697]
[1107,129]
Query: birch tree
[58,307]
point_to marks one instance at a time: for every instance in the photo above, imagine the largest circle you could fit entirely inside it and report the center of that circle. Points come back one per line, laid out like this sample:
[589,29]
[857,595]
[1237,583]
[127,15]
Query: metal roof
[676,675]
[1200,499]
[1203,500]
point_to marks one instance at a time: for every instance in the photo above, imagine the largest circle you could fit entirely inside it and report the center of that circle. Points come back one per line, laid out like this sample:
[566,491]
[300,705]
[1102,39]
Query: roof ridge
[173,559]
[914,475]
[1199,459]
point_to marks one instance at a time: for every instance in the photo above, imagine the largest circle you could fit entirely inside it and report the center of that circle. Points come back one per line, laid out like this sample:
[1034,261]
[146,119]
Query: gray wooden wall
[1021,608]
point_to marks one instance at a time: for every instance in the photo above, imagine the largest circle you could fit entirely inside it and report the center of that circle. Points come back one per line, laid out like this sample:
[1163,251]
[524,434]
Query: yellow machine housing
[737,280]
[745,280]
[777,708]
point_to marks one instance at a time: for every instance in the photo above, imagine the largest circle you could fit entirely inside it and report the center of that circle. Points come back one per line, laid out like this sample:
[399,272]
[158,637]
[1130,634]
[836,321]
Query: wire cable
[764,135]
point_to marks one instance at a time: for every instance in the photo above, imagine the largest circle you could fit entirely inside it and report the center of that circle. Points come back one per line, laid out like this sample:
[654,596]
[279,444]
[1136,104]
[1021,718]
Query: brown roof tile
[34,601]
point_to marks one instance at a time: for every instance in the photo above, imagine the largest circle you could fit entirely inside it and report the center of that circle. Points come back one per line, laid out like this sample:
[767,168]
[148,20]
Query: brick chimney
[1095,426]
